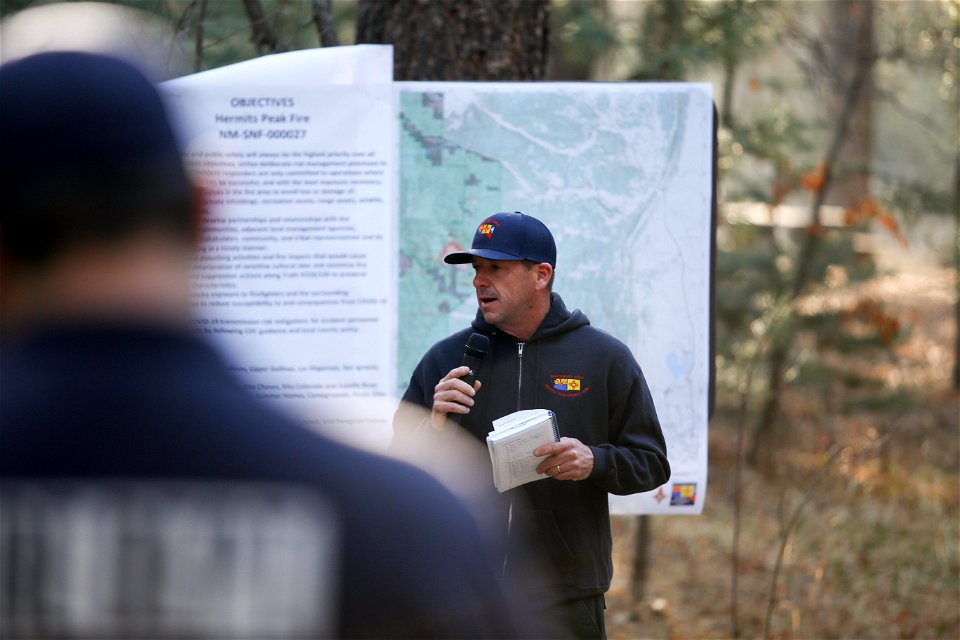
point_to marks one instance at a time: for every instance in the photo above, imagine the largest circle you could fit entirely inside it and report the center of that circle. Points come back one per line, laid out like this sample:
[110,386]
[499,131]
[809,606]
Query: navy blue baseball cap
[80,135]
[509,236]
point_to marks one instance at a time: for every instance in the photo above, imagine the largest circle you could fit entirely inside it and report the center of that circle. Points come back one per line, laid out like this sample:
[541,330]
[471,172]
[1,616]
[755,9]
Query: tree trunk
[490,40]
[198,40]
[956,305]
[726,96]
[262,34]
[641,559]
[662,21]
[850,30]
[322,13]
[850,91]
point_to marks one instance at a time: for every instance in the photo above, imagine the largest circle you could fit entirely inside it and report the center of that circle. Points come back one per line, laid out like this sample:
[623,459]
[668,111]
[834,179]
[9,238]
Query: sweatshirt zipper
[510,510]
[519,372]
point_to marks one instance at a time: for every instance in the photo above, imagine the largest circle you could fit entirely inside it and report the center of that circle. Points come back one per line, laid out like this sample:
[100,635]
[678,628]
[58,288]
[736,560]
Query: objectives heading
[261,102]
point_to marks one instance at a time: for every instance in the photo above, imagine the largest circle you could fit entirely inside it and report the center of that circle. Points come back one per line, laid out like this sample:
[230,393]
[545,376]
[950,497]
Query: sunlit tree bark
[491,40]
[850,43]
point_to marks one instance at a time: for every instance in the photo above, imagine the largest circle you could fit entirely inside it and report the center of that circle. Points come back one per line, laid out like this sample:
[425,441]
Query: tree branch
[262,36]
[839,137]
[198,39]
[323,19]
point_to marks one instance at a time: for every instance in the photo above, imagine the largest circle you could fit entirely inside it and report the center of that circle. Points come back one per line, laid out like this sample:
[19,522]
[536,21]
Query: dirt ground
[853,531]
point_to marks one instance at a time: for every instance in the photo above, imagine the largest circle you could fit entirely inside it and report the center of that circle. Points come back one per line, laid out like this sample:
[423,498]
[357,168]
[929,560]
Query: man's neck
[539,309]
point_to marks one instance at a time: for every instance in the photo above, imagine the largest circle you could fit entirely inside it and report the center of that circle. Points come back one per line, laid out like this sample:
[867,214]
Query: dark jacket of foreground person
[126,402]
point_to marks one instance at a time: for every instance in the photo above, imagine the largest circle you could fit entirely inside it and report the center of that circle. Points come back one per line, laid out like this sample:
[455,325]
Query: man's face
[505,293]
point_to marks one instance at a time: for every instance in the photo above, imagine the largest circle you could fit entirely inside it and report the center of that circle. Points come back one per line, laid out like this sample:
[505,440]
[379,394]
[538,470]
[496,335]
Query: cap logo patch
[487,227]
[567,385]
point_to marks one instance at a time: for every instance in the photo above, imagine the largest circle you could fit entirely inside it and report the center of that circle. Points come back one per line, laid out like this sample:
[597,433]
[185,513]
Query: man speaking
[540,355]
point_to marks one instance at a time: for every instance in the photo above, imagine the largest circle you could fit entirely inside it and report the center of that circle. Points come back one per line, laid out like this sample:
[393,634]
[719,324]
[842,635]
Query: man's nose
[480,280]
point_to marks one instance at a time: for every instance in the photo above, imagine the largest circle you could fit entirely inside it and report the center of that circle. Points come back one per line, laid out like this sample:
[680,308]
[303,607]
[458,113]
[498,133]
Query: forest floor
[851,529]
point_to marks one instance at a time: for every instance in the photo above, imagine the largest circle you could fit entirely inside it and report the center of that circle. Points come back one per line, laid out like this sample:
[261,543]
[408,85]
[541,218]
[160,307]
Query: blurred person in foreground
[102,378]
[542,356]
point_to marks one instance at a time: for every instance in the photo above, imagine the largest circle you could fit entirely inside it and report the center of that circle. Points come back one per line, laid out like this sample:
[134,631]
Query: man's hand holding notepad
[512,442]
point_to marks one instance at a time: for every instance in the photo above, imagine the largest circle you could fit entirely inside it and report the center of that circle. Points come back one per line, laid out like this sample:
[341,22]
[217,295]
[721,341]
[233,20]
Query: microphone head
[479,343]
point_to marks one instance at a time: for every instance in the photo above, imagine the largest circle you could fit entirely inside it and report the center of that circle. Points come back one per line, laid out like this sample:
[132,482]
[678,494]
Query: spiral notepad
[512,442]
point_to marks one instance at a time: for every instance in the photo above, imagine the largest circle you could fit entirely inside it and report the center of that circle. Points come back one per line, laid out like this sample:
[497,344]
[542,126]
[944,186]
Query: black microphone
[473,355]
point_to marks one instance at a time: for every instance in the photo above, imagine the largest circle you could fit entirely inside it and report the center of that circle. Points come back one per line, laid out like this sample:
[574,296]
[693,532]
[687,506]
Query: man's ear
[544,273]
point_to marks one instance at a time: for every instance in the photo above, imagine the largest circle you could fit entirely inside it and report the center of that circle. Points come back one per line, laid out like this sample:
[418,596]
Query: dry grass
[876,548]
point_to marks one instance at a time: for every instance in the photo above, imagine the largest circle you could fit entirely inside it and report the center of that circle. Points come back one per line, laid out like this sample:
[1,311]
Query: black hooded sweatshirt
[593,384]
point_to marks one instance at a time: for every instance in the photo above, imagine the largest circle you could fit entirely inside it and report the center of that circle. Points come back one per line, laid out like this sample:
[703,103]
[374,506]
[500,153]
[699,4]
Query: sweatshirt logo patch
[567,384]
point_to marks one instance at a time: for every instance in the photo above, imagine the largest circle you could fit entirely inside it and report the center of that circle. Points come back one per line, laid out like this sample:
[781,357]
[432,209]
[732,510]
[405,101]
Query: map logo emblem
[683,494]
[567,385]
[487,227]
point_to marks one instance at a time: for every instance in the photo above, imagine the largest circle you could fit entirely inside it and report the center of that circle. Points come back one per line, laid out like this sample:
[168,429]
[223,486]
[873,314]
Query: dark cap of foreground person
[87,153]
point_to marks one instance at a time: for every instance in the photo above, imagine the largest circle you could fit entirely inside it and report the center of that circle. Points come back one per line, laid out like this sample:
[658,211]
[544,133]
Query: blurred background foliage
[835,446]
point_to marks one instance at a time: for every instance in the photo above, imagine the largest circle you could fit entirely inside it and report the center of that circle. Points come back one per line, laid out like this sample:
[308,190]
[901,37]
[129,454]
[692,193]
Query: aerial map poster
[336,192]
[622,175]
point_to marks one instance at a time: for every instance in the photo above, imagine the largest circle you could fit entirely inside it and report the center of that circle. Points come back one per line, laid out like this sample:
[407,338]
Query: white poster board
[295,281]
[336,193]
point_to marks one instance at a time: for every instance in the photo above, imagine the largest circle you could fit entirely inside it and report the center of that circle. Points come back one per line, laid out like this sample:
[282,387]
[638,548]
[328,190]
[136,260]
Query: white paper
[295,280]
[512,443]
[355,65]
[518,418]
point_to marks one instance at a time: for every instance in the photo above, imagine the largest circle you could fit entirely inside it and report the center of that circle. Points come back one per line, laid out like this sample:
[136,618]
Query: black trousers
[580,619]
